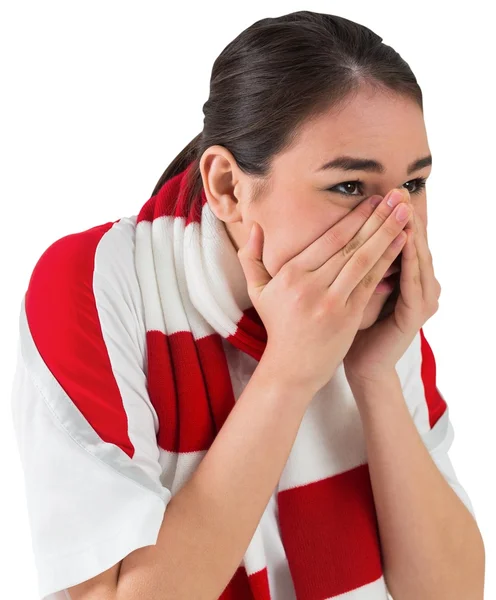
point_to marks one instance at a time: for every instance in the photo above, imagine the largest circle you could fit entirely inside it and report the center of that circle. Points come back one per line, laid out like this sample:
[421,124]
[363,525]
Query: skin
[296,207]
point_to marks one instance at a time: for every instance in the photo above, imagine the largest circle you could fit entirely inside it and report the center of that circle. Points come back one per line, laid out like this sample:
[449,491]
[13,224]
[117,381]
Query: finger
[377,219]
[410,277]
[250,257]
[362,292]
[410,272]
[346,274]
[337,237]
[424,254]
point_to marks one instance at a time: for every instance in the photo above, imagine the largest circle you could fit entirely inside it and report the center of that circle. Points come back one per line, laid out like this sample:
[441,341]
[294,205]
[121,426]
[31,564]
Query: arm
[86,429]
[209,523]
[431,544]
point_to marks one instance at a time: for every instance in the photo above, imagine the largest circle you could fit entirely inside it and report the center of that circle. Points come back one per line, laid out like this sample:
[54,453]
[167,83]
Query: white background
[99,97]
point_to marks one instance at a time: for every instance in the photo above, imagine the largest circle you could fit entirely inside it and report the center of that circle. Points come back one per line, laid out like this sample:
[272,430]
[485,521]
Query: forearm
[432,547]
[209,523]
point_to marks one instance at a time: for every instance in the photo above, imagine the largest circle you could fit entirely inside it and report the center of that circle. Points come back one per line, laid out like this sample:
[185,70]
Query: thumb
[250,257]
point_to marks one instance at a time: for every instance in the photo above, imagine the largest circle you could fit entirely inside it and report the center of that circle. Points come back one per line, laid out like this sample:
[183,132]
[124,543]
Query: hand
[375,351]
[313,306]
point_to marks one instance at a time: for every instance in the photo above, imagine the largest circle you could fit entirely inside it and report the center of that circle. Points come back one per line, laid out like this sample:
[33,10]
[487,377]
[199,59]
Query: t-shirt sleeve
[85,426]
[429,409]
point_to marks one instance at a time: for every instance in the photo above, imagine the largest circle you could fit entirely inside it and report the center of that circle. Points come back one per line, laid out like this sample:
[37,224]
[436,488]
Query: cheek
[279,248]
[291,227]
[286,241]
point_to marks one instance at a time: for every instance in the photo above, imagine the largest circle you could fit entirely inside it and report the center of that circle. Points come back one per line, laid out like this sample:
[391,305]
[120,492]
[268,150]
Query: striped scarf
[186,272]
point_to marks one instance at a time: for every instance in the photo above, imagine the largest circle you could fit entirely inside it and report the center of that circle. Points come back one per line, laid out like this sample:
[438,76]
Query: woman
[210,410]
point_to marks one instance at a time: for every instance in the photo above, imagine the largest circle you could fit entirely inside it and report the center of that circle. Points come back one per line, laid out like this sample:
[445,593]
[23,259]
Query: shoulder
[85,426]
[82,327]
[80,261]
[83,284]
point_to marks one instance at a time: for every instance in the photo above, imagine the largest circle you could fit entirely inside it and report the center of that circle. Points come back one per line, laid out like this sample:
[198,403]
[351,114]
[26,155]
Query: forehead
[370,124]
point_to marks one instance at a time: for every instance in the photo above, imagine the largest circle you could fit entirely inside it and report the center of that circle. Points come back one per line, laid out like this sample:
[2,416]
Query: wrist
[271,373]
[364,382]
[372,390]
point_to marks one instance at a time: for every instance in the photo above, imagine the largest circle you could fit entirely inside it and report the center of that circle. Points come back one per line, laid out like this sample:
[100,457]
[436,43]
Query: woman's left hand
[375,351]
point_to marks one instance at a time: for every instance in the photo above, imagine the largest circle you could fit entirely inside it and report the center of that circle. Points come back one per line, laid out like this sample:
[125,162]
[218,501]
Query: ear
[224,184]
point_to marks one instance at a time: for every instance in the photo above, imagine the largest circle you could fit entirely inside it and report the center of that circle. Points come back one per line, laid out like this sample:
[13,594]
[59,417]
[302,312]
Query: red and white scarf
[326,513]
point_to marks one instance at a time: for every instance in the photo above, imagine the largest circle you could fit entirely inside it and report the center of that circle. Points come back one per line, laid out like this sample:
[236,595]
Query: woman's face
[302,201]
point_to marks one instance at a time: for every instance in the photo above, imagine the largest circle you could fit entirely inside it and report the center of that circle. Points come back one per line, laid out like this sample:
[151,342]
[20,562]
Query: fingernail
[395,198]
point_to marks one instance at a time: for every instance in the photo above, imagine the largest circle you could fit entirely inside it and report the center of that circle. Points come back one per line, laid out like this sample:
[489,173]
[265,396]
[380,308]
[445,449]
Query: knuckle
[299,297]
[362,261]
[333,238]
[392,227]
[381,216]
[369,280]
[351,246]
[334,302]
[321,312]
[296,288]
[365,210]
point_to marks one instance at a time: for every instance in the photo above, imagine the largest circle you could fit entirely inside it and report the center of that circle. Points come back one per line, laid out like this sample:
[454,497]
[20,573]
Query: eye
[418,186]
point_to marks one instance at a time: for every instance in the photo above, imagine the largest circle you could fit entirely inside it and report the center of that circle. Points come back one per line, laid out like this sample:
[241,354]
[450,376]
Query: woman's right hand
[313,306]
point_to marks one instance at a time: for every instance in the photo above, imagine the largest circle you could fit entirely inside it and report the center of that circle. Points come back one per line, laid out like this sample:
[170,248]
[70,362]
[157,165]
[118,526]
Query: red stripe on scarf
[330,534]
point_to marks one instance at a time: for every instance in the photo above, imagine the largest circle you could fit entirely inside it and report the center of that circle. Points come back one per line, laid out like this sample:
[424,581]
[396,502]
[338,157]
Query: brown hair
[278,73]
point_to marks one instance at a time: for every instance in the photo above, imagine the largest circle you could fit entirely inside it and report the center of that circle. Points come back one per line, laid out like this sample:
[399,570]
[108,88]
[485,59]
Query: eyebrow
[349,163]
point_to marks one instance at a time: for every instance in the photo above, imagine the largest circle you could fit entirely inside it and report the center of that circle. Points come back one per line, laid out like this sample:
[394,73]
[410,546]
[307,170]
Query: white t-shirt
[97,480]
